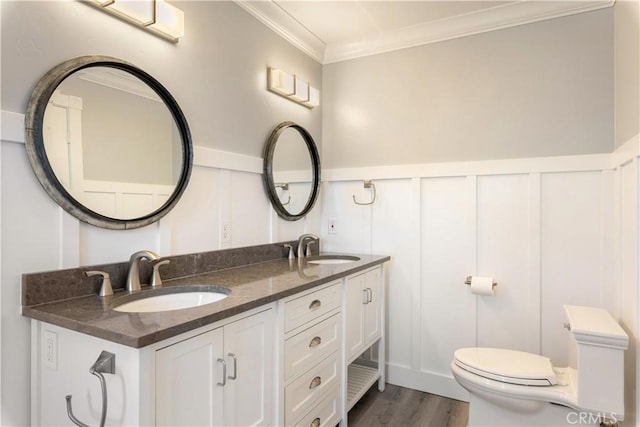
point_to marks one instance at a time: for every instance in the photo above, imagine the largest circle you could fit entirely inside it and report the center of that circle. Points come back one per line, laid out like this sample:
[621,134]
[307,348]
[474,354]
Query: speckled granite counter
[251,286]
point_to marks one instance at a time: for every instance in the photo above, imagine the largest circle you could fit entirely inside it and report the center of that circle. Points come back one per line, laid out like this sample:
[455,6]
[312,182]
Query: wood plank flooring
[403,407]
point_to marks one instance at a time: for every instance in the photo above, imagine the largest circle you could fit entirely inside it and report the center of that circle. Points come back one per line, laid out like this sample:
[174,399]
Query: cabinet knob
[315,382]
[315,304]
[315,423]
[316,341]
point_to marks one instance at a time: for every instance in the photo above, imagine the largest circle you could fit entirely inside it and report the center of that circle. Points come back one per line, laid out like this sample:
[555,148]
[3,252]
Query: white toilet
[514,388]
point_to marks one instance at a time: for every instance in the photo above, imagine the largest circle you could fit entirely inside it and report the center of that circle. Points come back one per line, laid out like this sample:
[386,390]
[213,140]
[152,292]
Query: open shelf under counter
[359,380]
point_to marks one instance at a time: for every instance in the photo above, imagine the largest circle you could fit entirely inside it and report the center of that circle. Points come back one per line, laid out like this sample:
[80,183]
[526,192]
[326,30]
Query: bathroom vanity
[283,348]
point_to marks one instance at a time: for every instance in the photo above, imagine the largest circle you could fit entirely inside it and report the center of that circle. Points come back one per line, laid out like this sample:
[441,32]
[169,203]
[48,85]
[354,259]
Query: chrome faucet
[301,241]
[133,278]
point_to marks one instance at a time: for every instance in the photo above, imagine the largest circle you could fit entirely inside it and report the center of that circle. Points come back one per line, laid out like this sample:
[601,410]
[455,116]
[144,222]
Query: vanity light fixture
[156,16]
[292,88]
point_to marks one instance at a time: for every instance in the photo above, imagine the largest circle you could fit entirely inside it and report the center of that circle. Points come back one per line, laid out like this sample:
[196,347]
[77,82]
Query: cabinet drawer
[310,346]
[325,414]
[301,310]
[302,394]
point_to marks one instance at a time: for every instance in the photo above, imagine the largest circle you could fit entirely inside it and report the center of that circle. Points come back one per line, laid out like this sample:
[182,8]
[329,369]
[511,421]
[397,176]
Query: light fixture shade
[314,97]
[169,20]
[301,93]
[292,88]
[139,11]
[281,82]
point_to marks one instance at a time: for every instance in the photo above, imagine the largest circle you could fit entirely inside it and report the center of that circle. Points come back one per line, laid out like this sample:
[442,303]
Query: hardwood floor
[403,407]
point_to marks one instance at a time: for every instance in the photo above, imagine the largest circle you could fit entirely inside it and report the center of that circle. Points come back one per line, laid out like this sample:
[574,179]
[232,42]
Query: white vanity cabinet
[363,329]
[221,377]
[362,311]
[312,366]
[219,374]
[303,360]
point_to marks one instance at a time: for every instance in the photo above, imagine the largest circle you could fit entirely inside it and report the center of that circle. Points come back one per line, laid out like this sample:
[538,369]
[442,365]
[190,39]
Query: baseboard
[429,382]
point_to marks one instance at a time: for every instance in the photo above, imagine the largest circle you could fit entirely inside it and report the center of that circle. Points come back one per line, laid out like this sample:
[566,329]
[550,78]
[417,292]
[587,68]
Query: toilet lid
[509,366]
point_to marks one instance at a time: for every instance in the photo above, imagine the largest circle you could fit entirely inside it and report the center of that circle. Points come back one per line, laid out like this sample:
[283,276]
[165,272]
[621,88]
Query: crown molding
[482,21]
[283,24]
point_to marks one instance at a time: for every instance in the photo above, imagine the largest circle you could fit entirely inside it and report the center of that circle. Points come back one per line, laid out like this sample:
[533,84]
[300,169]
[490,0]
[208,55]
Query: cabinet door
[187,377]
[355,298]
[249,354]
[373,308]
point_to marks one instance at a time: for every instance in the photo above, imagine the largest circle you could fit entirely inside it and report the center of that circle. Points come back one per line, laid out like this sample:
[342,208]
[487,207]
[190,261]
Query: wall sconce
[156,16]
[292,88]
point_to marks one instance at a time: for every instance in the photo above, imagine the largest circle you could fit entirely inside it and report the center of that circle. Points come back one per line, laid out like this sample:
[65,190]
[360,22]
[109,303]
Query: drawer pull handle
[315,382]
[316,341]
[315,304]
[224,372]
[315,423]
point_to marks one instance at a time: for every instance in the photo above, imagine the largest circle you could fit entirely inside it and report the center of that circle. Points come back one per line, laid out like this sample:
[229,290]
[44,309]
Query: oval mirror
[291,171]
[108,142]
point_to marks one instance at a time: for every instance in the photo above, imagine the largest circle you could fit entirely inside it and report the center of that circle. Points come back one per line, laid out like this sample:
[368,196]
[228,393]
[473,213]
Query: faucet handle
[290,247]
[105,289]
[156,281]
[308,248]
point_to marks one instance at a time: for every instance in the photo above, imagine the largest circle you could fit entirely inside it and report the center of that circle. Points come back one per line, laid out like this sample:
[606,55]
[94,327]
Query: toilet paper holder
[468,282]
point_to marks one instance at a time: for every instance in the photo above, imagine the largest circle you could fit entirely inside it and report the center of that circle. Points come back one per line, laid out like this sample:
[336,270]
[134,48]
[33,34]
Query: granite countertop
[250,286]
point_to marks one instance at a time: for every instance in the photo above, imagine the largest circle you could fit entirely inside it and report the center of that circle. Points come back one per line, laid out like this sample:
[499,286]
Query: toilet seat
[507,366]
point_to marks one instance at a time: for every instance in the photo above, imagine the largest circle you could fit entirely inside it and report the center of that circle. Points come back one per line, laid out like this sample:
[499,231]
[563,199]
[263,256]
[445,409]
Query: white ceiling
[332,31]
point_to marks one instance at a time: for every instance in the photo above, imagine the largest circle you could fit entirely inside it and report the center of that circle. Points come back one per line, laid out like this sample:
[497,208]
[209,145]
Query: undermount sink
[176,300]
[332,259]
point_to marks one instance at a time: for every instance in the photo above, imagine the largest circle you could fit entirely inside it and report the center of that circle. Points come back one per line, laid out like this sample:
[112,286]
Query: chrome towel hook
[367,184]
[106,363]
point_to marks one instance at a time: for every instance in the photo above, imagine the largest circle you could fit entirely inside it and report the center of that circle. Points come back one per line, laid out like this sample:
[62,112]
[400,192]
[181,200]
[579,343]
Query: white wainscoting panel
[192,225]
[353,222]
[629,175]
[392,227]
[543,228]
[249,210]
[448,255]
[572,252]
[506,319]
[30,242]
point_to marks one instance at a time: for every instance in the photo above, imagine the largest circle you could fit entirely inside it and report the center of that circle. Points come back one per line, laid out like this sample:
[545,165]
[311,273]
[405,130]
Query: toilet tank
[597,353]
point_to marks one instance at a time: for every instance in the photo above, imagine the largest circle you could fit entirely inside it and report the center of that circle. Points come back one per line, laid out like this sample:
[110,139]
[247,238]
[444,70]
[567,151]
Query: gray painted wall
[627,70]
[543,89]
[217,72]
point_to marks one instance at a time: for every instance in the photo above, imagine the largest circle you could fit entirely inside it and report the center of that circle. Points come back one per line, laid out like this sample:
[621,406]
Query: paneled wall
[552,231]
[544,228]
[628,187]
